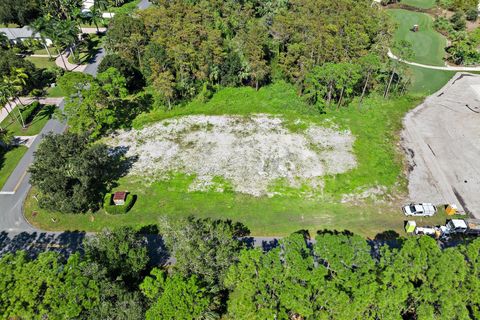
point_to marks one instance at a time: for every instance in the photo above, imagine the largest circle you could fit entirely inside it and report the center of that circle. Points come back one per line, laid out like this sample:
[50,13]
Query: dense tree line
[338,276]
[188,48]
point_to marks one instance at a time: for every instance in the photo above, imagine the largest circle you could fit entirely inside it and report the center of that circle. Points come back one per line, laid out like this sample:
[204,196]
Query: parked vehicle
[419,209]
[452,227]
[467,226]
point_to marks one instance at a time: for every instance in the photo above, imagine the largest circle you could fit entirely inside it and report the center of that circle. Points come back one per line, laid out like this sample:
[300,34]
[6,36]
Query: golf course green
[428,45]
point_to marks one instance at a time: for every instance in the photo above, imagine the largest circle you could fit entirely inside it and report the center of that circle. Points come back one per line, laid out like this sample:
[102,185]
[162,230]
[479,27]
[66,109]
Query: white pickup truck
[419,209]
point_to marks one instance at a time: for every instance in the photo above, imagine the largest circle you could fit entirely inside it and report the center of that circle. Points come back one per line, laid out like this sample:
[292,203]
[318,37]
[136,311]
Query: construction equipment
[452,227]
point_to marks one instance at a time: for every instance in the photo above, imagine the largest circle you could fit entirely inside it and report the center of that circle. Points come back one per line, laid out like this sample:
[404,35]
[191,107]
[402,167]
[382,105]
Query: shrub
[30,111]
[111,208]
[458,21]
[471,14]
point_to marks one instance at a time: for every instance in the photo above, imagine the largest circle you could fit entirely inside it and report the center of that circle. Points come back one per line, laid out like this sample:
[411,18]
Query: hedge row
[111,208]
[29,112]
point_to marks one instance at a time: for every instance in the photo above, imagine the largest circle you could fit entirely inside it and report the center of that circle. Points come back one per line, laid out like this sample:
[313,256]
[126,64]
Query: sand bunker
[249,153]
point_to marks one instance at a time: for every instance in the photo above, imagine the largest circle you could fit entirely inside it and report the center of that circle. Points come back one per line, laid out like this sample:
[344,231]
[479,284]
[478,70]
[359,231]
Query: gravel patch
[249,153]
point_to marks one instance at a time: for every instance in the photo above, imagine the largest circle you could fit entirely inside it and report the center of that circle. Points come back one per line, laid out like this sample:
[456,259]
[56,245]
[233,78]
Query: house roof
[120,195]
[16,33]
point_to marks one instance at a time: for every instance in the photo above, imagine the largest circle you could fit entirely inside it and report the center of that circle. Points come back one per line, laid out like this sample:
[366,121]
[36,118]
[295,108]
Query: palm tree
[39,26]
[96,17]
[5,93]
[101,4]
[16,83]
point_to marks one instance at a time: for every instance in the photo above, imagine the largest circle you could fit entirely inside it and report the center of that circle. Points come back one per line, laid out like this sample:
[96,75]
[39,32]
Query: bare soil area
[249,154]
[442,141]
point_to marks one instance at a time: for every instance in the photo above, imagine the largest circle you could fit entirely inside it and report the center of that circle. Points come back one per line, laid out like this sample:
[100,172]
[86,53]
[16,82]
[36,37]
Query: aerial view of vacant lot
[240,160]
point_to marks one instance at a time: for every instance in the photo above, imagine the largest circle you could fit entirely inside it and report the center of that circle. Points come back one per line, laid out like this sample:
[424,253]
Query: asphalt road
[16,187]
[92,67]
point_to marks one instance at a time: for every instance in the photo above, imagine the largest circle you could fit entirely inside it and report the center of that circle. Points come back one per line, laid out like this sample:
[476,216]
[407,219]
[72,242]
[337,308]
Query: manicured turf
[428,45]
[8,162]
[32,128]
[427,81]
[422,4]
[375,125]
[55,92]
[42,62]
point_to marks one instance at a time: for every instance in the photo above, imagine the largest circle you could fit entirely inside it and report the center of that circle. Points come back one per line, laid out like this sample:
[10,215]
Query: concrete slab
[442,141]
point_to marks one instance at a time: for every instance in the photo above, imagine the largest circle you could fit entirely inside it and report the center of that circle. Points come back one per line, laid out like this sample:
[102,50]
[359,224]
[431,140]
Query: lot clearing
[292,139]
[247,153]
[442,141]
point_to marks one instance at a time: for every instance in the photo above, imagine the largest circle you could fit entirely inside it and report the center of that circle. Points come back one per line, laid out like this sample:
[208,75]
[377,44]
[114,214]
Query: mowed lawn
[375,125]
[32,128]
[41,62]
[427,81]
[422,4]
[428,45]
[8,162]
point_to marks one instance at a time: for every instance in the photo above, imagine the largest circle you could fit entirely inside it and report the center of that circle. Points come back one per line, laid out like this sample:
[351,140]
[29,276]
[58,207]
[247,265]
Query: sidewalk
[62,60]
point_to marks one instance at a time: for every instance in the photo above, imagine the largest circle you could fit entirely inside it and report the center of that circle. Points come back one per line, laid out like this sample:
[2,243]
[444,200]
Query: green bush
[111,208]
[29,112]
[471,14]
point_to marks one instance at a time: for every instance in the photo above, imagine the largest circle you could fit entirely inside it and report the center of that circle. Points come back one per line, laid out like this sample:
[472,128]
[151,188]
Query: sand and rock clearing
[249,153]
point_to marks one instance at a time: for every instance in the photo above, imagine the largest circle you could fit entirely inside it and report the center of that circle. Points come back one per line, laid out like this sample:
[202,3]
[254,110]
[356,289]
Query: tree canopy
[339,275]
[71,174]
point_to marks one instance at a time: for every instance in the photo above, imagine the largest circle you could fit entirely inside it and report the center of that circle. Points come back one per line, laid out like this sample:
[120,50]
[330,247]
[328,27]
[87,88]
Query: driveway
[442,141]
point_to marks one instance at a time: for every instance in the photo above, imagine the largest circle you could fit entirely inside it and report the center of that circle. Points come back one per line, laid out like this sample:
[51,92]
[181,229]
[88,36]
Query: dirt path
[442,140]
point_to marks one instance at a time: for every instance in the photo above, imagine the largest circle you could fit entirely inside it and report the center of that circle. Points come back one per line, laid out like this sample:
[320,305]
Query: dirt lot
[442,141]
[250,154]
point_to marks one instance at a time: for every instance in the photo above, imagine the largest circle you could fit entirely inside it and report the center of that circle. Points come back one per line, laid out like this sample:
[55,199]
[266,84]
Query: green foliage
[45,287]
[122,252]
[203,247]
[102,104]
[72,82]
[126,36]
[132,76]
[471,14]
[9,62]
[175,297]
[458,21]
[20,12]
[111,208]
[71,174]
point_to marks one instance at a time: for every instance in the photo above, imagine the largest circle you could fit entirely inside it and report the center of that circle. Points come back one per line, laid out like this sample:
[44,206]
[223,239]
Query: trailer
[452,227]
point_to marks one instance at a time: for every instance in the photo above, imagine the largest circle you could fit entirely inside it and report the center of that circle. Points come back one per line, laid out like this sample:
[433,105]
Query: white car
[420,209]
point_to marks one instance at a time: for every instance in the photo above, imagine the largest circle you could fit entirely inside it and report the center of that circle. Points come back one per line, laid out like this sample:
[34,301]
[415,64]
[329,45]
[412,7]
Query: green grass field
[32,128]
[8,162]
[427,81]
[375,125]
[422,4]
[42,63]
[427,44]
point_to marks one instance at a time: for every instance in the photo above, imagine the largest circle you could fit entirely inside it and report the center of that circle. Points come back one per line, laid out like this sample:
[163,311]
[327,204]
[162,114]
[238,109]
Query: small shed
[410,226]
[119,198]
